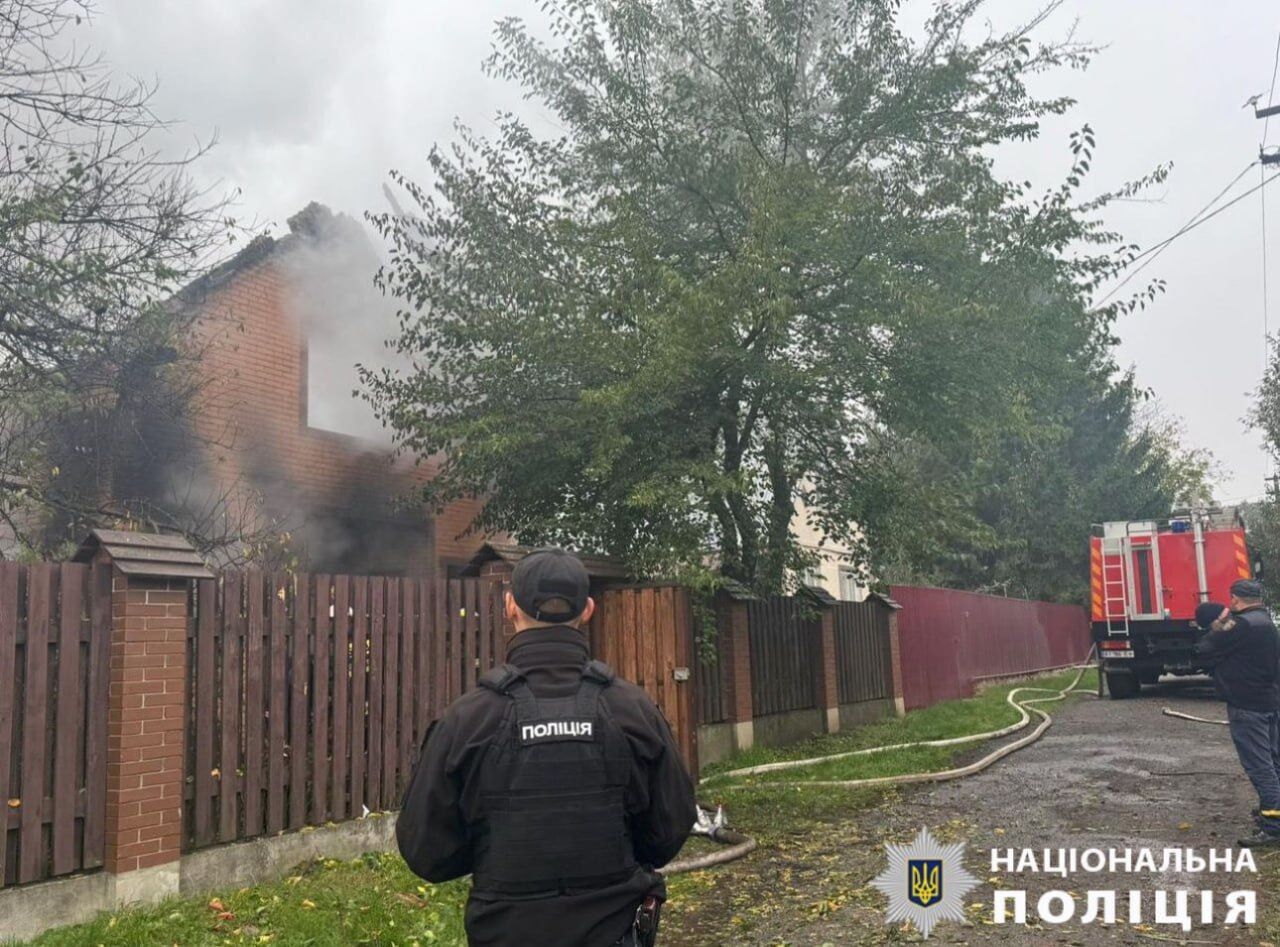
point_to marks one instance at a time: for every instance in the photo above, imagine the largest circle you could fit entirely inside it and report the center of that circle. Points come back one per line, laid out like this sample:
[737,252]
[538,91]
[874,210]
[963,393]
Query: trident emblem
[926,881]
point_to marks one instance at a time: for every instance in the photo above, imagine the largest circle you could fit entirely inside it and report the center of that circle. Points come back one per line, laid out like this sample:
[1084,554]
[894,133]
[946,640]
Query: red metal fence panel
[949,640]
[54,646]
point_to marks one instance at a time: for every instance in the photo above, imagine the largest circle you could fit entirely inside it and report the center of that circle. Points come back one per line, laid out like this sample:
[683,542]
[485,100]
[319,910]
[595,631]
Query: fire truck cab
[1147,578]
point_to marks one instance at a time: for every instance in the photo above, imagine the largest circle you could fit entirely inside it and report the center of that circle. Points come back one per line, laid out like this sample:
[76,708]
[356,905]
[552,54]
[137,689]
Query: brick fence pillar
[735,657]
[151,605]
[827,684]
[145,733]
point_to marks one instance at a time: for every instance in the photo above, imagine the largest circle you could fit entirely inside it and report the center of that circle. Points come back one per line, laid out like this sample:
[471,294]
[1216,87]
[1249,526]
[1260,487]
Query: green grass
[375,899]
[989,710]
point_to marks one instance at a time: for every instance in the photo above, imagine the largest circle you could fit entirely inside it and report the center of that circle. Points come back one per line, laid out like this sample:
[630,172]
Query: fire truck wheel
[1122,685]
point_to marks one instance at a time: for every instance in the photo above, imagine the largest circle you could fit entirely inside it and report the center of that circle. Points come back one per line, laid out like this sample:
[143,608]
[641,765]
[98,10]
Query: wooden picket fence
[311,693]
[646,634]
[54,642]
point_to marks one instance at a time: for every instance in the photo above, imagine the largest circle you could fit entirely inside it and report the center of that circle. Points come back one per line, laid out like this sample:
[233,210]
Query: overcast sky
[318,99]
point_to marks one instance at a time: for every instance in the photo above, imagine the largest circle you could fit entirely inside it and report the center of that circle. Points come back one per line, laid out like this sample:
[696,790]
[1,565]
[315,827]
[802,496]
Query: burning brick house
[280,328]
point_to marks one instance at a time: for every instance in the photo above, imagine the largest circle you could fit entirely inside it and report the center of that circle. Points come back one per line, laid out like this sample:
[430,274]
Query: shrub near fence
[310,694]
[54,642]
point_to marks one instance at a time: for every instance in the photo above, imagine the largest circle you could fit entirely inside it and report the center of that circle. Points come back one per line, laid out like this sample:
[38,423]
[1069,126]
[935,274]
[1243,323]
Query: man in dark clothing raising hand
[1243,649]
[556,785]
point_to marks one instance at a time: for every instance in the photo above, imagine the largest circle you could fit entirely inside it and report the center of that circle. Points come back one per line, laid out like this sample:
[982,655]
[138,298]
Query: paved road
[1107,775]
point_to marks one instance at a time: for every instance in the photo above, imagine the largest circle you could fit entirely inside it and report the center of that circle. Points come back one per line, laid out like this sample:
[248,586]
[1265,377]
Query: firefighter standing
[1243,648]
[557,786]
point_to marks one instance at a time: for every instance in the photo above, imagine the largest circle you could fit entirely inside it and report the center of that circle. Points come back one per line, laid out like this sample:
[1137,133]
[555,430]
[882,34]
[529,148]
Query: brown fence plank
[232,624]
[325,614]
[203,732]
[687,702]
[439,647]
[390,697]
[300,652]
[486,629]
[359,674]
[277,701]
[377,621]
[471,603]
[31,835]
[8,672]
[453,627]
[341,689]
[408,670]
[95,761]
[69,715]
[423,646]
[254,704]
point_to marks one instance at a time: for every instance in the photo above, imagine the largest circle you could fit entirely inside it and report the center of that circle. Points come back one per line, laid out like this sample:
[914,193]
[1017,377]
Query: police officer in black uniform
[556,785]
[1243,650]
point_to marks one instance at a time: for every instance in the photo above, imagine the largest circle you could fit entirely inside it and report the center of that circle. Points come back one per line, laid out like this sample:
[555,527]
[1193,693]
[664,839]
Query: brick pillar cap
[144,554]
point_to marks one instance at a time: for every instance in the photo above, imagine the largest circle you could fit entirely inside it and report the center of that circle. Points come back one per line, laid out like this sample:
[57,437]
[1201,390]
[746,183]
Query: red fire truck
[1147,579]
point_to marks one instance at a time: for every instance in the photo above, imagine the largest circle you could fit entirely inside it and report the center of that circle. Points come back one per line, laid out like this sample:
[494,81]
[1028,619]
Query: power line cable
[1196,220]
[1266,289]
[1271,96]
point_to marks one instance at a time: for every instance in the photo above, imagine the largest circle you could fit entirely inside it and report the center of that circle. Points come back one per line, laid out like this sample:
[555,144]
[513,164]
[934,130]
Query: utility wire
[1271,96]
[1266,293]
[1196,220]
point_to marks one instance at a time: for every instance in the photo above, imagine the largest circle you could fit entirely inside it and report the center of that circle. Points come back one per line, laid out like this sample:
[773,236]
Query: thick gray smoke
[345,319]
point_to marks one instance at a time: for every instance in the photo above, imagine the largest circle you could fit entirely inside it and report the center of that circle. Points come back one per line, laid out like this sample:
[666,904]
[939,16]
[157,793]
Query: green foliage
[765,267]
[97,232]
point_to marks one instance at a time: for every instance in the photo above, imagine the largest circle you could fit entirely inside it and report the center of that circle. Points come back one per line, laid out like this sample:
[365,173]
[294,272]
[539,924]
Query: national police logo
[925,882]
[925,876]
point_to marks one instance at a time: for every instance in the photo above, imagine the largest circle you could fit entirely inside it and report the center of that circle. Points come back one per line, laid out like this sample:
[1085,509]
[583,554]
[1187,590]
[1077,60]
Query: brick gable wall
[252,408]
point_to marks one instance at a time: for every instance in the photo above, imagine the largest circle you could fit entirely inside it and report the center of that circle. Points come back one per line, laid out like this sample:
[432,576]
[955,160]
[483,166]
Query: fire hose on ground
[715,828]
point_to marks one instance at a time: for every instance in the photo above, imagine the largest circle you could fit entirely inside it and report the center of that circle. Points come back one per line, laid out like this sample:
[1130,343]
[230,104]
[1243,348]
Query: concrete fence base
[32,909]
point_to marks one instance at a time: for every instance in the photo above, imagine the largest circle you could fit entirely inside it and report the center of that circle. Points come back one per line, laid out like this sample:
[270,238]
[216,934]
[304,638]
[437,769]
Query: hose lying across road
[1170,712]
[740,845]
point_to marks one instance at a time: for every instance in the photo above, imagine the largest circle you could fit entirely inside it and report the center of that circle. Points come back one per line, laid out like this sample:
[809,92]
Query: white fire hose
[1170,712]
[1021,704]
[713,826]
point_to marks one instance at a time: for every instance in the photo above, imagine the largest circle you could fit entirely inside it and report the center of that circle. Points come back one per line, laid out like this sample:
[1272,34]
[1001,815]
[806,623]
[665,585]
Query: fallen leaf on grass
[216,905]
[410,899]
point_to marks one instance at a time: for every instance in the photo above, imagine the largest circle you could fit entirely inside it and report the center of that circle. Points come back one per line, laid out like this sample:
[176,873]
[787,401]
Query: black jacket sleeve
[429,830]
[660,830]
[1218,645]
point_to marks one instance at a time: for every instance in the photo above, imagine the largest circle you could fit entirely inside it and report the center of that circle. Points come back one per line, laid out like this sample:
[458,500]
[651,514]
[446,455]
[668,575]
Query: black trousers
[1256,735]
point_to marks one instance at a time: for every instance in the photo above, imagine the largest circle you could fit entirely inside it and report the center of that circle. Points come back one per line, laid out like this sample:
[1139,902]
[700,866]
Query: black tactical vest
[552,817]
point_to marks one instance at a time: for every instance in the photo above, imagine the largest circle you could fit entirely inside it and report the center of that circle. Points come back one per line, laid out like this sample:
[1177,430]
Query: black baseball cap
[548,574]
[1209,612]
[1246,588]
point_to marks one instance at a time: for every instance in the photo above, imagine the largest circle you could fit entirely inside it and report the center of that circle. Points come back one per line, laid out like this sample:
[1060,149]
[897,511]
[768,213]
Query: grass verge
[987,711]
